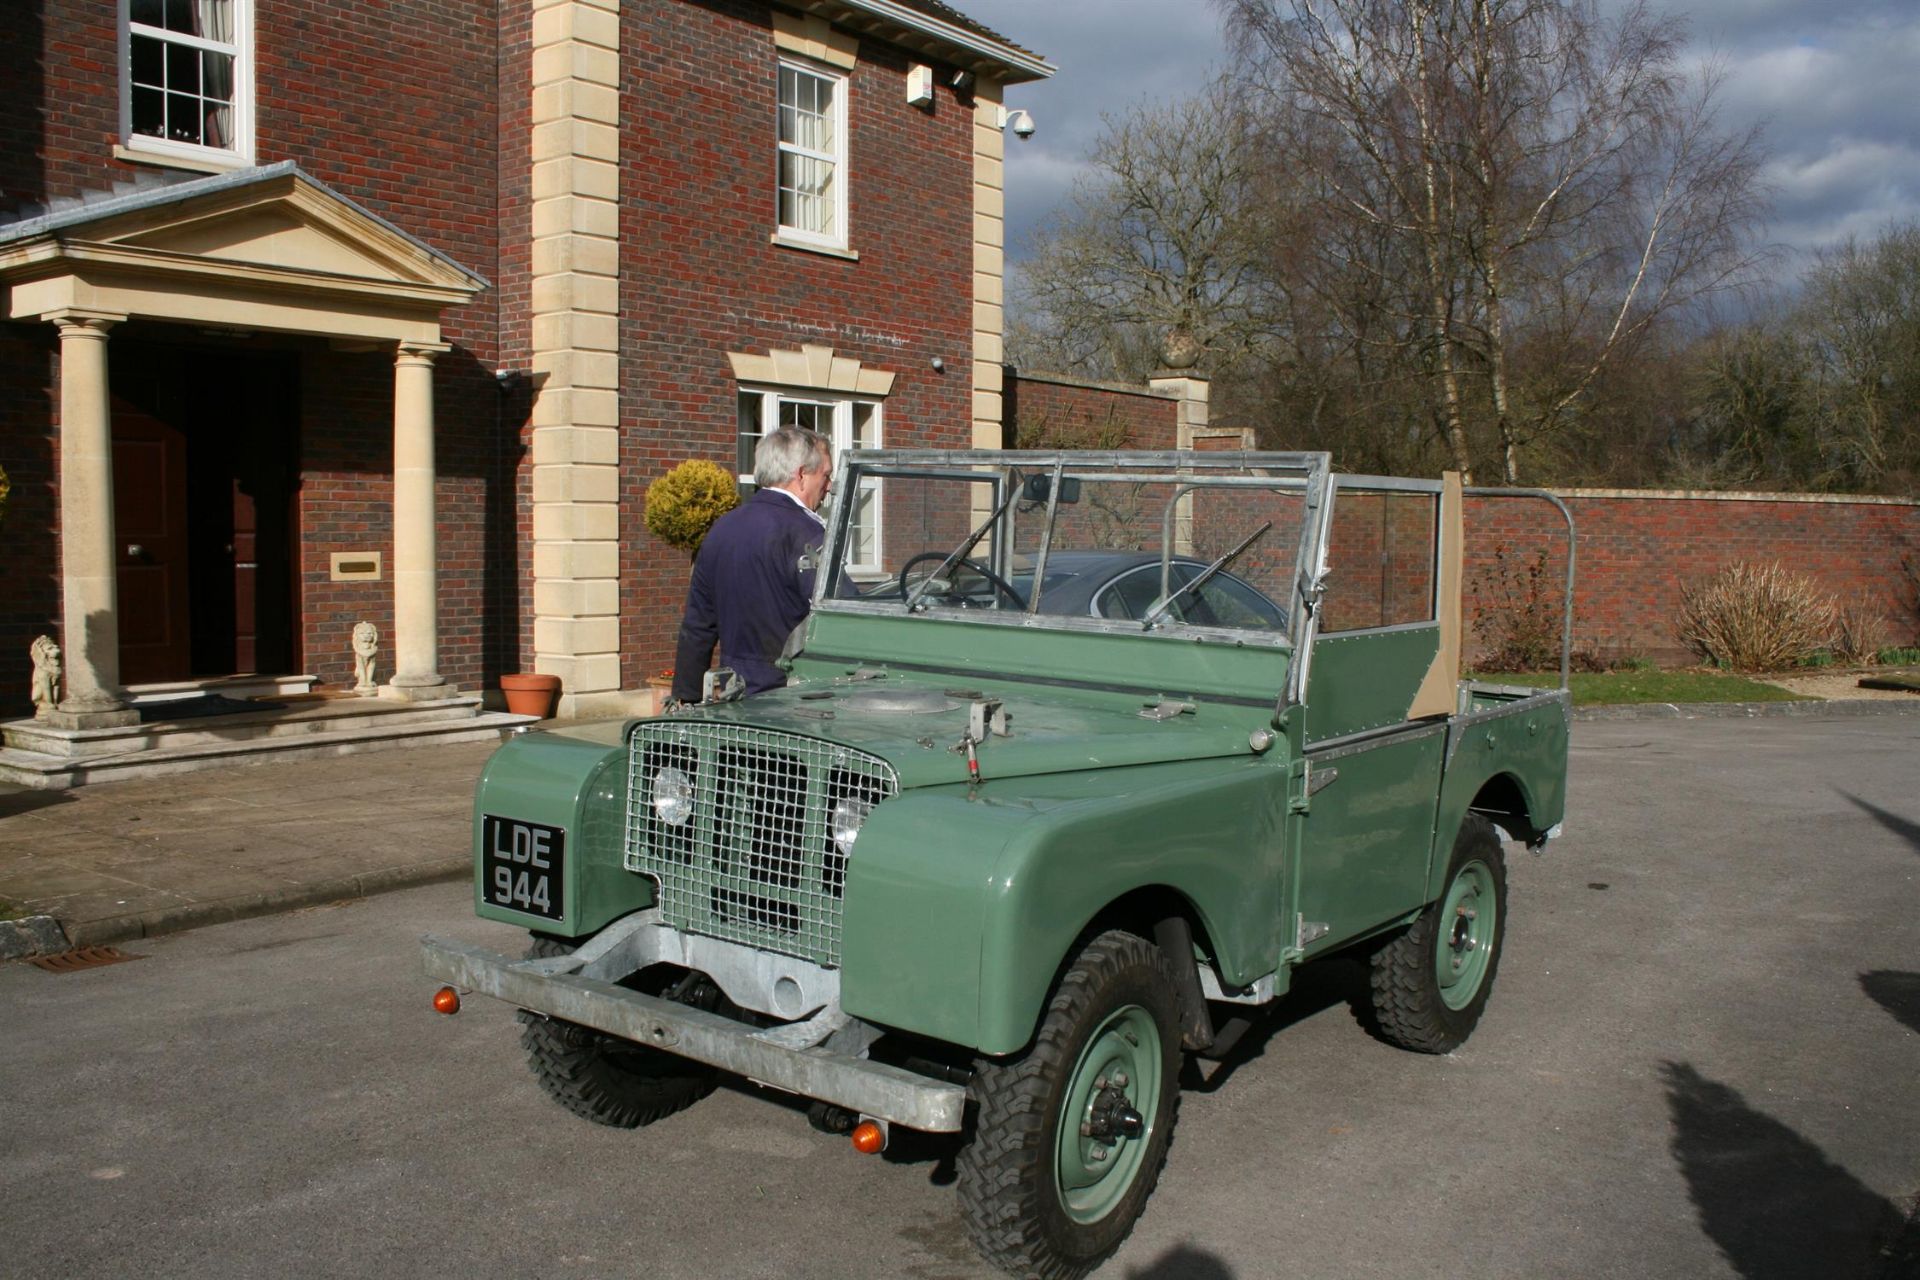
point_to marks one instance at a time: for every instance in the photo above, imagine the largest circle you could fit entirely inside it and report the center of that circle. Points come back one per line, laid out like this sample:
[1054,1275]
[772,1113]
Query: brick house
[324,313]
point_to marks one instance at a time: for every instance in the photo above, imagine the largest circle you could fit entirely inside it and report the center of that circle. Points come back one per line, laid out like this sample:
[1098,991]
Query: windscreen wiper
[1200,579]
[962,551]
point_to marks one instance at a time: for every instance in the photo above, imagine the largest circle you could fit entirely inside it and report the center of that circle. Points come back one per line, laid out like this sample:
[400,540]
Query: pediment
[278,220]
[294,225]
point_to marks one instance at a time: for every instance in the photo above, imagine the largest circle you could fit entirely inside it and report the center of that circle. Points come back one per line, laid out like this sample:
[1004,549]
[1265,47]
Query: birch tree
[1541,188]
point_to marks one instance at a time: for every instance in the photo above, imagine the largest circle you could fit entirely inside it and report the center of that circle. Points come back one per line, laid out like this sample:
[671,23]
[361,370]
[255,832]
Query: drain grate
[80,958]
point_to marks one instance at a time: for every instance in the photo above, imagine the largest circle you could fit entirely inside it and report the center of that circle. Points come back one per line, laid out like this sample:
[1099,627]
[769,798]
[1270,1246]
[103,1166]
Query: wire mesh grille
[736,826]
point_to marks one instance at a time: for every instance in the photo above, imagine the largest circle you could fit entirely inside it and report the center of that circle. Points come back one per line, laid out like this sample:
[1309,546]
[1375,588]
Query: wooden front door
[204,478]
[150,528]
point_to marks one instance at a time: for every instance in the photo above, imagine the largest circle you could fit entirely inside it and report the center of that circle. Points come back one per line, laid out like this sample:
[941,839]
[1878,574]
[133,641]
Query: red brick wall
[1635,551]
[1037,406]
[394,106]
[699,278]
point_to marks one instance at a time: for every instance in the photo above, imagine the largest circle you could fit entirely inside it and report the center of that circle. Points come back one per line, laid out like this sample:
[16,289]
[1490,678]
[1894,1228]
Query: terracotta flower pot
[530,695]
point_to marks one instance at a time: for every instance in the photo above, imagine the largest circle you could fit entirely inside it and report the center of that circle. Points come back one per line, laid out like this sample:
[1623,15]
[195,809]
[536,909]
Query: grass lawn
[1609,688]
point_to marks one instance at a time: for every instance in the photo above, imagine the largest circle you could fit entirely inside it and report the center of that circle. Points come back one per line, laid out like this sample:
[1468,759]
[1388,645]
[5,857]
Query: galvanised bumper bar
[872,1088]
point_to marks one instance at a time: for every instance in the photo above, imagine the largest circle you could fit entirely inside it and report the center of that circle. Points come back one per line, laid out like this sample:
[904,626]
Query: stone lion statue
[366,647]
[46,675]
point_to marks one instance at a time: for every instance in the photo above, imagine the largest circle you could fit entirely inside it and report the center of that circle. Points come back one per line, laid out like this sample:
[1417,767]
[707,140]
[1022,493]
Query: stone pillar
[89,604]
[575,344]
[989,265]
[416,595]
[1191,423]
[1190,397]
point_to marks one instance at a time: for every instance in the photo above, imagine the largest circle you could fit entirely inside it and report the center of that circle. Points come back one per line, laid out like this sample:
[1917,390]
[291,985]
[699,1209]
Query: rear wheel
[603,1078]
[1431,984]
[1070,1136]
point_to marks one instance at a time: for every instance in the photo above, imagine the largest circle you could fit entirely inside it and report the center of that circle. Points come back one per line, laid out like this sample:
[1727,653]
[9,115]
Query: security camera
[1021,122]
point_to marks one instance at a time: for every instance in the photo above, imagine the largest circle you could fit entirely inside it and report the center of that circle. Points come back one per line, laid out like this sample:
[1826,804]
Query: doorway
[205,469]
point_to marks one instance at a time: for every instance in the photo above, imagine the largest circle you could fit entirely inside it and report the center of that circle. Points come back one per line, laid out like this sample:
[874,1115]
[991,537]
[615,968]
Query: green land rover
[1082,756]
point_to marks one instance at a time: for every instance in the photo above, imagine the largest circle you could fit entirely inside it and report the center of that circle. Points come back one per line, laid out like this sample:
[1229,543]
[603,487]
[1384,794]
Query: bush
[1517,613]
[1858,632]
[683,504]
[1755,617]
[1898,656]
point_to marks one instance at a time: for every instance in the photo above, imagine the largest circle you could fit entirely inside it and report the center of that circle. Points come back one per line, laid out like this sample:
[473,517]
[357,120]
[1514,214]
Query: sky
[1836,84]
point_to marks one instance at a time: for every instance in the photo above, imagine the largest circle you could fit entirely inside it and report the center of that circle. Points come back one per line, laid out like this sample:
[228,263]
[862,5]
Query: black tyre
[603,1078]
[1431,983]
[1070,1137]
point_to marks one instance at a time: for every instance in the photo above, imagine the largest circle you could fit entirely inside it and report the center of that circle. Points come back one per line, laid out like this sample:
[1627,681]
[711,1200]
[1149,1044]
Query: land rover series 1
[1081,757]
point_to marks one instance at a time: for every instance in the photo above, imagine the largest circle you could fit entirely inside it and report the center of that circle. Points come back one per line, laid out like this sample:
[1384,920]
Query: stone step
[141,695]
[291,719]
[41,771]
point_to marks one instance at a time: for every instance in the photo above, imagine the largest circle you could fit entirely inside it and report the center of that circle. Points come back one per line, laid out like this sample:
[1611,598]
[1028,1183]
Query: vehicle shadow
[1772,1201]
[1905,828]
[1896,991]
[1183,1262]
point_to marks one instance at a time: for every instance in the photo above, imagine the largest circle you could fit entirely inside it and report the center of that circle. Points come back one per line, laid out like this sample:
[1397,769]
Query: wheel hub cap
[1108,1113]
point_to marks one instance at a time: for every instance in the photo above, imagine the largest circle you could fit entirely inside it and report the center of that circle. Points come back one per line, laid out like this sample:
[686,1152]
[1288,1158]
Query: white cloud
[1836,84]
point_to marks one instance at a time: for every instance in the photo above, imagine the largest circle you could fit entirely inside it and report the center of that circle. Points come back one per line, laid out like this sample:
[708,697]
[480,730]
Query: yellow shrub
[683,504]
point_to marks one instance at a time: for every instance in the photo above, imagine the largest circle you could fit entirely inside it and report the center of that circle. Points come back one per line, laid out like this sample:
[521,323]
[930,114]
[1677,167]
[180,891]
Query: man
[753,576]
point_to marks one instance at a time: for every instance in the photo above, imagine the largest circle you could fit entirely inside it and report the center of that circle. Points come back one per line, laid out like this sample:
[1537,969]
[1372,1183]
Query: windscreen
[1135,548]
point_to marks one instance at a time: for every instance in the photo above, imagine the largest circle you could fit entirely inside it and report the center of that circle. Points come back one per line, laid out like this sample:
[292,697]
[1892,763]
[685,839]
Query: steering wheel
[1001,590]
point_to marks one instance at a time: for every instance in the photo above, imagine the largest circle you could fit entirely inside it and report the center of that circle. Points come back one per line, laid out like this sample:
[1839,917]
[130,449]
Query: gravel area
[1837,684]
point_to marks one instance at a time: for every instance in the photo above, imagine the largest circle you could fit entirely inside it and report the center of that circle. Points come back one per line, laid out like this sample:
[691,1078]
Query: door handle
[136,552]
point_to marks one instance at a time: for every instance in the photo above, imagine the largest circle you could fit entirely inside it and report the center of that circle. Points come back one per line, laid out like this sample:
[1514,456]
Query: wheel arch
[1502,798]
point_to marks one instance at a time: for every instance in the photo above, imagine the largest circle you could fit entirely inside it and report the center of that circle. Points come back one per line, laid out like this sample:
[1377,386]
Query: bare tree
[1523,190]
[1860,311]
[1163,246]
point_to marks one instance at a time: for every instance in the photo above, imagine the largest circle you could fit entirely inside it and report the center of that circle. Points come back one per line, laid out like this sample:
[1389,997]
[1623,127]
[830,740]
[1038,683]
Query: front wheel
[603,1078]
[1070,1136]
[1431,984]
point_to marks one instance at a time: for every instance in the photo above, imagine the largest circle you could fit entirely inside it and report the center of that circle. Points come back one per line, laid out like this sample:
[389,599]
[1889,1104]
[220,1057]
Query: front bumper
[871,1088]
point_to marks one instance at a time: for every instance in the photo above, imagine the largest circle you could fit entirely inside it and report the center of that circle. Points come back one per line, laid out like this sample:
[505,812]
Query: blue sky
[1837,83]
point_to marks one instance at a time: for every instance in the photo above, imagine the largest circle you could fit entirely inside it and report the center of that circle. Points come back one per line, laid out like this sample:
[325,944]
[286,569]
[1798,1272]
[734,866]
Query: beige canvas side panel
[1438,691]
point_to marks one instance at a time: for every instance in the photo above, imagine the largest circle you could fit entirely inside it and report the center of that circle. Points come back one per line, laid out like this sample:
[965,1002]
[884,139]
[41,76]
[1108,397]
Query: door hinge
[1306,930]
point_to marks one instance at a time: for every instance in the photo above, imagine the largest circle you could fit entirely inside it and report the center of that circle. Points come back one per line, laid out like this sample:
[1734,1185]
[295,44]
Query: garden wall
[1637,549]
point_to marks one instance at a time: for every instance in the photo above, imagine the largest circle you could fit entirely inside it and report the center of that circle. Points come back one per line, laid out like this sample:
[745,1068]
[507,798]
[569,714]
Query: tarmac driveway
[1701,1060]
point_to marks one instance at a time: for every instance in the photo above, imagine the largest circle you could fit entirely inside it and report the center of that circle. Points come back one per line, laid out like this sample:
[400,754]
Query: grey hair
[784,453]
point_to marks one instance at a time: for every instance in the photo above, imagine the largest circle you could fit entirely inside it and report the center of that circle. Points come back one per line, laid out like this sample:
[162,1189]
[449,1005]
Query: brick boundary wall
[1636,549]
[1035,402]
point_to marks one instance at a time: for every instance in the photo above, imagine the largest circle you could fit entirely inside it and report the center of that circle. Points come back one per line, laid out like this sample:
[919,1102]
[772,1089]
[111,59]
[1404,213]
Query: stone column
[416,596]
[575,345]
[89,604]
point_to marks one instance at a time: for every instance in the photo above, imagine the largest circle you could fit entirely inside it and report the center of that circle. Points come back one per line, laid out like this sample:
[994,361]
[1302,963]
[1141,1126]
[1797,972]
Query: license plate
[521,865]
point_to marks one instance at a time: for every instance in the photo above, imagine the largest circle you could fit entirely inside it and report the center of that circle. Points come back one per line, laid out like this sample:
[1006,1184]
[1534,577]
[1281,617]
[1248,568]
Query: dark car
[1125,584]
[1096,584]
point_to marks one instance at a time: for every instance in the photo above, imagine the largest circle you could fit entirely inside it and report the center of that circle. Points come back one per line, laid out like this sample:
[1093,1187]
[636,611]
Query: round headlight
[672,797]
[848,817]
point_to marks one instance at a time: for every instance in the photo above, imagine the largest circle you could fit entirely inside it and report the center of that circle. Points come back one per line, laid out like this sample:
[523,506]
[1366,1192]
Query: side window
[1229,602]
[812,185]
[1382,551]
[1133,593]
[186,79]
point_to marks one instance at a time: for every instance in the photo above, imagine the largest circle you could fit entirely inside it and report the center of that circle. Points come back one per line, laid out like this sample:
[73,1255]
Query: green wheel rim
[1093,1174]
[1468,923]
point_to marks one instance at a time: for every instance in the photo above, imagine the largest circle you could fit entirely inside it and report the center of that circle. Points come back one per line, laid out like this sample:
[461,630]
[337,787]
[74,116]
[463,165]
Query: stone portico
[265,250]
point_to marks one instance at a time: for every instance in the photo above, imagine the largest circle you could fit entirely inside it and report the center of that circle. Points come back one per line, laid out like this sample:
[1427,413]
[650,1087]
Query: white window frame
[836,158]
[195,155]
[842,436]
